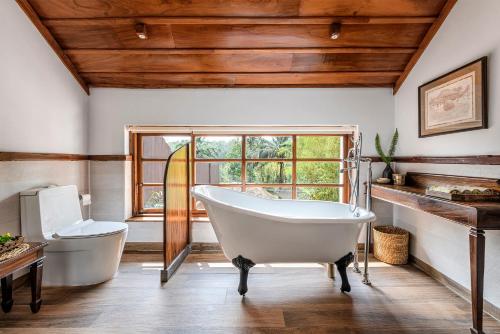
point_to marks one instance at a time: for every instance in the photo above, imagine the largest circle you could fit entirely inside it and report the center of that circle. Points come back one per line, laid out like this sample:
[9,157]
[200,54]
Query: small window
[153,171]
[160,147]
[218,147]
[269,172]
[218,172]
[319,193]
[153,197]
[317,172]
[270,192]
[268,147]
[319,147]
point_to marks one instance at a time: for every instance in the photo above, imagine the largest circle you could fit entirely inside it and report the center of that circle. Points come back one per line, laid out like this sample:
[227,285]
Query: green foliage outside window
[273,172]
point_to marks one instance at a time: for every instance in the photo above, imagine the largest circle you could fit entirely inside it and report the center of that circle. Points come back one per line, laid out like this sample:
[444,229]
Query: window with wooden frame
[281,166]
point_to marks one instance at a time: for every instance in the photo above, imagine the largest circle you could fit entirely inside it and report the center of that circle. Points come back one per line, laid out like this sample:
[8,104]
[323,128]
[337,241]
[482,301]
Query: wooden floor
[202,298]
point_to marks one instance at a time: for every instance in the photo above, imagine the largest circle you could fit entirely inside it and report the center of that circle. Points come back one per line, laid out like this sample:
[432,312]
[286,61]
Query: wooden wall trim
[451,284]
[115,157]
[452,160]
[448,6]
[30,156]
[33,16]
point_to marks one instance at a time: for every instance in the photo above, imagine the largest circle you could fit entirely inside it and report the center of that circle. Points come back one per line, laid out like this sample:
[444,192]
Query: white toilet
[80,252]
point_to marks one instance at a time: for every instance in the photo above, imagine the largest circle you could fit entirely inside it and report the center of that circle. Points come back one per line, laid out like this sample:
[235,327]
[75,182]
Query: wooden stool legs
[36,270]
[7,300]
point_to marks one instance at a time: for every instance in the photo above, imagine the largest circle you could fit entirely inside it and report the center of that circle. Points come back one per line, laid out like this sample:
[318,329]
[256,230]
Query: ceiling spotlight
[140,31]
[335,30]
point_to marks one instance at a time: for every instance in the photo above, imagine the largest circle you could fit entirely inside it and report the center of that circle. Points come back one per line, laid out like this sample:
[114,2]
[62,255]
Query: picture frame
[455,101]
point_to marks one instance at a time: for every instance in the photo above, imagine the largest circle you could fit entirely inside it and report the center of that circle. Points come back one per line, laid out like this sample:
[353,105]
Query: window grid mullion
[244,163]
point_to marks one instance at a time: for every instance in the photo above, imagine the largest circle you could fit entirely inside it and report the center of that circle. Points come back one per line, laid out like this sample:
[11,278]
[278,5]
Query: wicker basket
[390,244]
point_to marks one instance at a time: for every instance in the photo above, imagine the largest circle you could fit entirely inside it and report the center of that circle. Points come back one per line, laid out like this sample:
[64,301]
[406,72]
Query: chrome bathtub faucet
[352,167]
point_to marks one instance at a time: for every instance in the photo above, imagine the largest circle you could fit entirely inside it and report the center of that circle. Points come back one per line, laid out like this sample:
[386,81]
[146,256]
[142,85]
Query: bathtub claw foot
[342,265]
[244,266]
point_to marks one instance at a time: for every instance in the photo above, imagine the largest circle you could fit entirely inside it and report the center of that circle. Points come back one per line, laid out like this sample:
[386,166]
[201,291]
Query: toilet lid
[90,228]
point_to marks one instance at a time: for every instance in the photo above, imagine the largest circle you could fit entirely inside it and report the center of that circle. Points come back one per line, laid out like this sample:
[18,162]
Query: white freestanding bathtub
[257,230]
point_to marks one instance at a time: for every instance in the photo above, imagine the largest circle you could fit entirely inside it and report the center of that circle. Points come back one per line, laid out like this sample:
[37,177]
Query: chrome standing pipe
[366,279]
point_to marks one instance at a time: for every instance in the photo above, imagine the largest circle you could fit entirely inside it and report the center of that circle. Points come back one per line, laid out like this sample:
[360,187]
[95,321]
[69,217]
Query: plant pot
[387,173]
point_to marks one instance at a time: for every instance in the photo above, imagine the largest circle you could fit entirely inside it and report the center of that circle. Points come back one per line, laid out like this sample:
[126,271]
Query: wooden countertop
[481,215]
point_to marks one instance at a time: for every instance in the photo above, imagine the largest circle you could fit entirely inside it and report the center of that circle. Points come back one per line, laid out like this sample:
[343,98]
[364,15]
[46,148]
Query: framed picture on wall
[455,101]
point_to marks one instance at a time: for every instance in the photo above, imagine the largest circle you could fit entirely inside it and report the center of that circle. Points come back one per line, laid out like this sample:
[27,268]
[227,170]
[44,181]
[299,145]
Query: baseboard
[458,289]
[143,247]
[205,248]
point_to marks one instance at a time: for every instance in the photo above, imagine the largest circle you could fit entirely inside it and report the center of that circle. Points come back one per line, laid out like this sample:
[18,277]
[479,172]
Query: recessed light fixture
[140,31]
[335,30]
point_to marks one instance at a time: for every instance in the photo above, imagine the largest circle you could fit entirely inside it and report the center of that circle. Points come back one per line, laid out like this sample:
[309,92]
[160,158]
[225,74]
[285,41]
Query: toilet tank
[47,210]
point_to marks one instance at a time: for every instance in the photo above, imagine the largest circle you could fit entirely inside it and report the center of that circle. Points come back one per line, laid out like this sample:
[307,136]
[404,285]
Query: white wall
[113,109]
[42,107]
[470,32]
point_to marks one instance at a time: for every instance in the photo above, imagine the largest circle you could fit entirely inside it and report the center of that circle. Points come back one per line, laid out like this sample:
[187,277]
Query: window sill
[159,219]
[155,218]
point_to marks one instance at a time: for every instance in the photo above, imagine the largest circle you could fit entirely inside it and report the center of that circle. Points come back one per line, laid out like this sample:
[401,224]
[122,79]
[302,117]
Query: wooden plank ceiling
[238,43]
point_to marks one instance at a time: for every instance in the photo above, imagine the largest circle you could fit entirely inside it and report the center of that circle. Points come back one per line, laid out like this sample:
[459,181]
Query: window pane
[318,172]
[269,147]
[218,147]
[269,172]
[218,172]
[160,147]
[152,197]
[152,171]
[319,193]
[319,147]
[271,192]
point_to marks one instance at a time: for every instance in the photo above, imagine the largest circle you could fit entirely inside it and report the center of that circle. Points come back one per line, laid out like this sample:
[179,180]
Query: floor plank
[202,298]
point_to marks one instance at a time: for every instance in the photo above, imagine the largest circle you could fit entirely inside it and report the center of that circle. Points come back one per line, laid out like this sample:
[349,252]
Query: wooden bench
[32,258]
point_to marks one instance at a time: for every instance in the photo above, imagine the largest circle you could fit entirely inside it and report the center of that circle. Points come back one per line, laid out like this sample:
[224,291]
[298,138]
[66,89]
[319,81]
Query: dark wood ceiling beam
[35,19]
[237,62]
[338,50]
[110,35]
[425,42]
[279,8]
[351,20]
[167,80]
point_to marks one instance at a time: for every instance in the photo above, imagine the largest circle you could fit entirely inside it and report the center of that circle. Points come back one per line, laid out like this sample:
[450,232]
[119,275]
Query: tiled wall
[110,185]
[16,176]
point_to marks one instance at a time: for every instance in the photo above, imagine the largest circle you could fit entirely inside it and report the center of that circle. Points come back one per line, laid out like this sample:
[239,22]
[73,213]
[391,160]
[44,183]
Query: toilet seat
[90,229]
